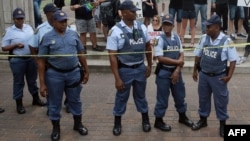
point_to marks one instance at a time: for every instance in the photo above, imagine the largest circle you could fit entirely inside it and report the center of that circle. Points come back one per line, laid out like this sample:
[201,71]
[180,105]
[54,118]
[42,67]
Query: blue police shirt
[15,35]
[115,40]
[54,44]
[158,49]
[228,52]
[37,36]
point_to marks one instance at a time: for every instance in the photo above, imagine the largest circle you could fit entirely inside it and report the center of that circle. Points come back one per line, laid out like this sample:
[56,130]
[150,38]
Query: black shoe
[81,129]
[201,123]
[146,127]
[159,124]
[97,48]
[38,102]
[186,122]
[1,110]
[222,131]
[19,106]
[222,124]
[55,135]
[117,130]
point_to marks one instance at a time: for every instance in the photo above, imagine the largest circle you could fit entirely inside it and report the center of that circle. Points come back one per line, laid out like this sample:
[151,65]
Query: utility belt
[159,66]
[167,68]
[69,70]
[213,74]
[121,65]
[61,70]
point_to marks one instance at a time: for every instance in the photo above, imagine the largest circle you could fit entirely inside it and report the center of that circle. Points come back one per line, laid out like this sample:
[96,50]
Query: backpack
[106,11]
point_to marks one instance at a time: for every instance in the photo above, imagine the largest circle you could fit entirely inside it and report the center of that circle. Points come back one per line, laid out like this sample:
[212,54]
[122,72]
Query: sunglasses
[155,20]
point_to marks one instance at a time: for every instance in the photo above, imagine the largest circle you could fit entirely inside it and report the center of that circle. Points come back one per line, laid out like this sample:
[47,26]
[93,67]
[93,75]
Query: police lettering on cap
[60,16]
[168,19]
[214,19]
[128,5]
[18,13]
[50,7]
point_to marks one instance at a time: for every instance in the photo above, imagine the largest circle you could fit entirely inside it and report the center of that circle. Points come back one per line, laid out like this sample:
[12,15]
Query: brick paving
[98,99]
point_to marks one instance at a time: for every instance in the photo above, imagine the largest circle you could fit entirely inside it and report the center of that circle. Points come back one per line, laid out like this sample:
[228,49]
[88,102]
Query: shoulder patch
[110,32]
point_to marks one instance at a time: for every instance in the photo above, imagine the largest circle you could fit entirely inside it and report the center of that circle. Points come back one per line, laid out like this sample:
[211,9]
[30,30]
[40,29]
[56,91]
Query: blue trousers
[208,85]
[164,86]
[57,83]
[131,78]
[21,68]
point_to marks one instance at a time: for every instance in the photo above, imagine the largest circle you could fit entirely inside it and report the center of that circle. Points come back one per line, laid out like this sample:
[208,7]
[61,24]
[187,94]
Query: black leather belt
[167,68]
[121,65]
[62,70]
[213,74]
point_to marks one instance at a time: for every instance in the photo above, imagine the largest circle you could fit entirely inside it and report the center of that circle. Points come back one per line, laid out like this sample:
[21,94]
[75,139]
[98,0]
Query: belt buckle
[211,74]
[134,66]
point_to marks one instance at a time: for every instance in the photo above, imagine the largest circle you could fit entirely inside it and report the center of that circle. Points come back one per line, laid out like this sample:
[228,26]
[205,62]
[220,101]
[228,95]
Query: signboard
[244,3]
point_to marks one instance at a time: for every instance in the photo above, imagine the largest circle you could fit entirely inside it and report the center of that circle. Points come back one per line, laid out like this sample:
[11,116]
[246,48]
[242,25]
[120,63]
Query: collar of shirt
[127,27]
[15,28]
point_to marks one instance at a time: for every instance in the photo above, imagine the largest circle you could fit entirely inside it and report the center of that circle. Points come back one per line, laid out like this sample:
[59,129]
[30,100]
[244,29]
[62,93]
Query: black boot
[55,135]
[222,123]
[117,130]
[159,124]
[201,123]
[78,125]
[184,120]
[19,106]
[145,122]
[37,100]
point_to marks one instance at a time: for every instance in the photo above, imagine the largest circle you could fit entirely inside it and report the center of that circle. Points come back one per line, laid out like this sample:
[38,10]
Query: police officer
[47,26]
[126,44]
[16,42]
[211,57]
[169,52]
[63,72]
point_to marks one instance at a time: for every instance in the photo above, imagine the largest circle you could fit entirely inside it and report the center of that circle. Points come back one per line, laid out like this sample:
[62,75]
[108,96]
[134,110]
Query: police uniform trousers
[132,77]
[23,67]
[164,85]
[208,85]
[57,83]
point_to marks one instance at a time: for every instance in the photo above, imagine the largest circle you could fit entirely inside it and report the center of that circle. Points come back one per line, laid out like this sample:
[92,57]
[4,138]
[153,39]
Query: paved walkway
[98,99]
